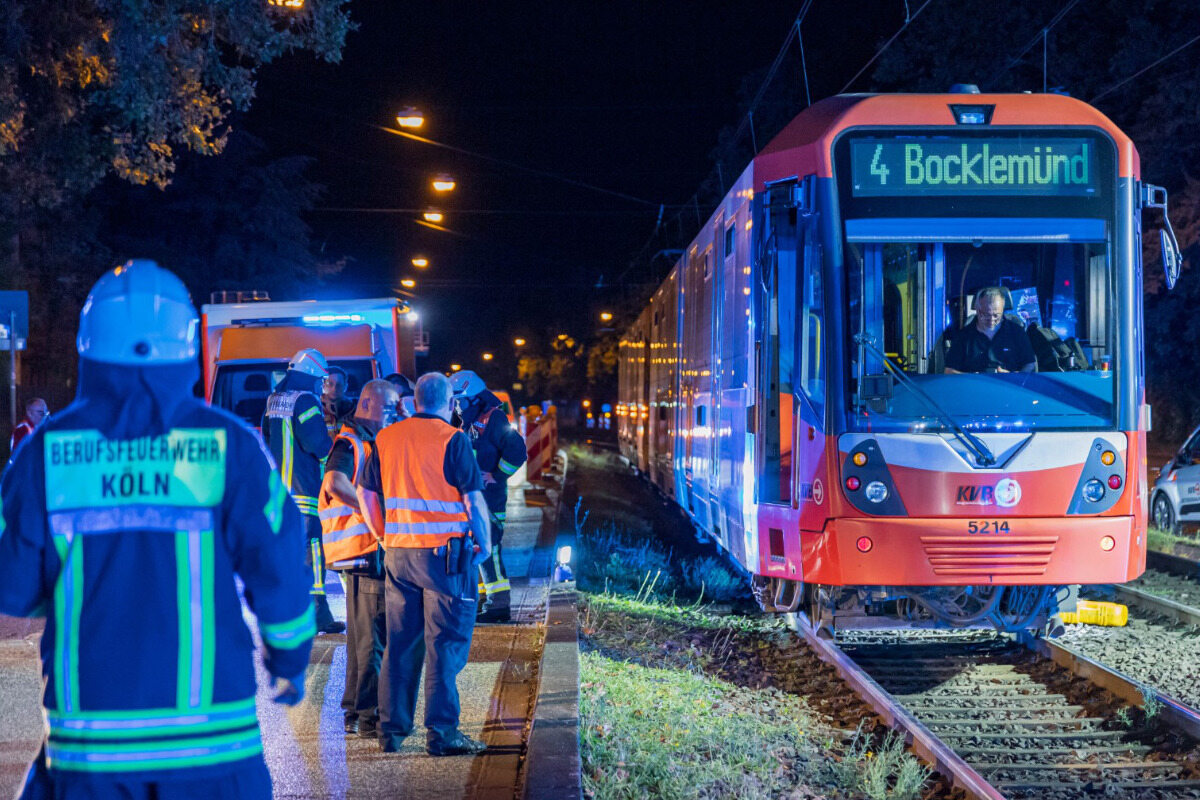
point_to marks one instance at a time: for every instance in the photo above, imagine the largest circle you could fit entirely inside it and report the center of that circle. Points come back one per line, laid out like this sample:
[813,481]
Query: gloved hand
[489,479]
[291,692]
[479,554]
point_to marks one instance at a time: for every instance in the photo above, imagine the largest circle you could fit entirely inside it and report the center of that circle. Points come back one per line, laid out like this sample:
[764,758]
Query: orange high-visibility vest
[421,509]
[344,531]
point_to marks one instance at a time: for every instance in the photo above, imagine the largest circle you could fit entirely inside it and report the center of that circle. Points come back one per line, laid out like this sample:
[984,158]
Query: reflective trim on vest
[422,509]
[419,504]
[336,512]
[334,537]
[425,528]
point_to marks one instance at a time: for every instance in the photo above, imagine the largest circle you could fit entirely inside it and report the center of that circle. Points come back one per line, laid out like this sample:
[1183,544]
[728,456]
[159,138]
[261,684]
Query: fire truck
[248,342]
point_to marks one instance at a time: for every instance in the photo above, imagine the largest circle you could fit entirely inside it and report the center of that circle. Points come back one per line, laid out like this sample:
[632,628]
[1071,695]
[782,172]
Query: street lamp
[455,367]
[420,262]
[488,356]
[433,215]
[444,183]
[519,342]
[606,316]
[410,117]
[408,283]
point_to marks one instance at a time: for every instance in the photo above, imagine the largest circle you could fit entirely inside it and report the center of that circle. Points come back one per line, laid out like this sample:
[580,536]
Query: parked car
[1175,499]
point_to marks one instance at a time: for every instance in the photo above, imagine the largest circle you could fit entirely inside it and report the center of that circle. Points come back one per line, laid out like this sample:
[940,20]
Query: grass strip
[670,733]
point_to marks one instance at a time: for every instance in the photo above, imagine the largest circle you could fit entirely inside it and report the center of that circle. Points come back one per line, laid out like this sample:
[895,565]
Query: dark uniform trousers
[314,558]
[430,619]
[366,633]
[493,579]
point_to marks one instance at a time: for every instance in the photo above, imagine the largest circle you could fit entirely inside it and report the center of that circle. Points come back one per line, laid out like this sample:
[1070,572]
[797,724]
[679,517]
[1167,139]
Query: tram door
[777,347]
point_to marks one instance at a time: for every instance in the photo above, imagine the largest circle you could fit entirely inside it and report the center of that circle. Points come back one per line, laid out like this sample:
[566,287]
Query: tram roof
[804,146]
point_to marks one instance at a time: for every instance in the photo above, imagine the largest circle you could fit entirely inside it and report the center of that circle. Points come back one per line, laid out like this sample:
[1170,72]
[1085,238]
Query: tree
[94,87]
[233,222]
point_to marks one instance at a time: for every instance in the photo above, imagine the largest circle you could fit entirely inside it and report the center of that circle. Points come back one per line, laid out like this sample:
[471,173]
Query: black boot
[325,621]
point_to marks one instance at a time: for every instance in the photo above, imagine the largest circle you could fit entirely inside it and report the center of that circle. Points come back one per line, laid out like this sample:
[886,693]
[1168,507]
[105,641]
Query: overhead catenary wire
[1145,69]
[908,21]
[746,121]
[1040,35]
[512,165]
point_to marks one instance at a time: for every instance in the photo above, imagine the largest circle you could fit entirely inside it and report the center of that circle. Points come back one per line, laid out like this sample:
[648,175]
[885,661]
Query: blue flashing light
[972,118]
[311,319]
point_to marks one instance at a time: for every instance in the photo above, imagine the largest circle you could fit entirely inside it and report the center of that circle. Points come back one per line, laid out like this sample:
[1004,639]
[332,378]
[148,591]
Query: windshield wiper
[983,455]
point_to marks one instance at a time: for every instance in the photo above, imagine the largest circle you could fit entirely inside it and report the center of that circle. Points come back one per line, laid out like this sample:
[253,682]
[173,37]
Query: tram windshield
[1008,333]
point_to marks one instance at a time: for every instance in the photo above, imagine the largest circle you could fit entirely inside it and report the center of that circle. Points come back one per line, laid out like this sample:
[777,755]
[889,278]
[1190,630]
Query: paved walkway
[309,754]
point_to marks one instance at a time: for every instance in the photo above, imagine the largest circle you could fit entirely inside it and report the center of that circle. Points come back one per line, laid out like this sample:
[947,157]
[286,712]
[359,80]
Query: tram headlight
[876,491]
[1093,491]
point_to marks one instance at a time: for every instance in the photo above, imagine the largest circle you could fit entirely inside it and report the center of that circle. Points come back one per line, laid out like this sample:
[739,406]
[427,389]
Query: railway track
[1169,587]
[1006,719]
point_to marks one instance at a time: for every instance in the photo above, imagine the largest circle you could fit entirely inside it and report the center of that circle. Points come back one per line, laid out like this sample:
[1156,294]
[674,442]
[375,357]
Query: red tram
[787,384]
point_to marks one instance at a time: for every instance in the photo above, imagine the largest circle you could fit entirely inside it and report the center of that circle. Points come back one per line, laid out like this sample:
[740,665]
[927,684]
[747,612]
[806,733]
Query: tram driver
[994,343]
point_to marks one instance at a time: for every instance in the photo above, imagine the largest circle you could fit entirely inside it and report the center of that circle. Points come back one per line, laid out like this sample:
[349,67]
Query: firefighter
[500,451]
[124,524]
[294,431]
[355,554]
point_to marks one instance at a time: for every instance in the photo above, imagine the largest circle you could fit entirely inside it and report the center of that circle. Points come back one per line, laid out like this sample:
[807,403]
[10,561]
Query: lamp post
[444,183]
[420,262]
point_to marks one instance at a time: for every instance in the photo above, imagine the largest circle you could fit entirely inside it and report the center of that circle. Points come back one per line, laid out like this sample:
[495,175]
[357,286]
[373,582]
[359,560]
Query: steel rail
[923,742]
[1176,713]
[1161,605]
[1175,565]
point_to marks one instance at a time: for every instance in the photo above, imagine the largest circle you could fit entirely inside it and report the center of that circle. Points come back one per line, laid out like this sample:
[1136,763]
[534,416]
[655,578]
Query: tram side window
[811,376]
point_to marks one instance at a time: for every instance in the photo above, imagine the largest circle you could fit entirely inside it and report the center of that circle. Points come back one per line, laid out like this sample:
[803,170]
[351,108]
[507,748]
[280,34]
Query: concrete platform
[308,753]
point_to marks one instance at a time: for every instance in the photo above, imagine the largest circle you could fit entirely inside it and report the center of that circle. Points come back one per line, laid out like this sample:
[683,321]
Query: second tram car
[787,384]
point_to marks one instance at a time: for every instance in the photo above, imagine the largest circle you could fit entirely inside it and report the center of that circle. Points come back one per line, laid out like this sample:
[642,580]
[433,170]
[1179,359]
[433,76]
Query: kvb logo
[1006,494]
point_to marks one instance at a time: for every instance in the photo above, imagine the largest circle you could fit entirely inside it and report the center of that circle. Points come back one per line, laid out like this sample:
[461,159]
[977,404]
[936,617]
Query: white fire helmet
[466,384]
[310,362]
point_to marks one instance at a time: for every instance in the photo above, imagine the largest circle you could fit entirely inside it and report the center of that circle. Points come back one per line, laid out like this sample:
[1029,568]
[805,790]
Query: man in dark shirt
[994,343]
[355,555]
[422,494]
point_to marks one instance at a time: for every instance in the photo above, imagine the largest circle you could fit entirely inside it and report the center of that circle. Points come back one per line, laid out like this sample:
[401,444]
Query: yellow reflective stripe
[305,416]
[318,567]
[498,586]
[286,467]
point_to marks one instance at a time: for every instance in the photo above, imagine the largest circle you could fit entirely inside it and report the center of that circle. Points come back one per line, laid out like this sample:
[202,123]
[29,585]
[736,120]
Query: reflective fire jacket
[499,448]
[294,430]
[125,520]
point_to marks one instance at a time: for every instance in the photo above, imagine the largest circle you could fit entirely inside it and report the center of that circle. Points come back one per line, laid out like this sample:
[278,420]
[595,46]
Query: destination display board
[1042,167]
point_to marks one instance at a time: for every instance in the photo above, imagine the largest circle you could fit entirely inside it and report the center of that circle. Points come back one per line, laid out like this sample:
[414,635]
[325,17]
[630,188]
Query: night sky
[627,97]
